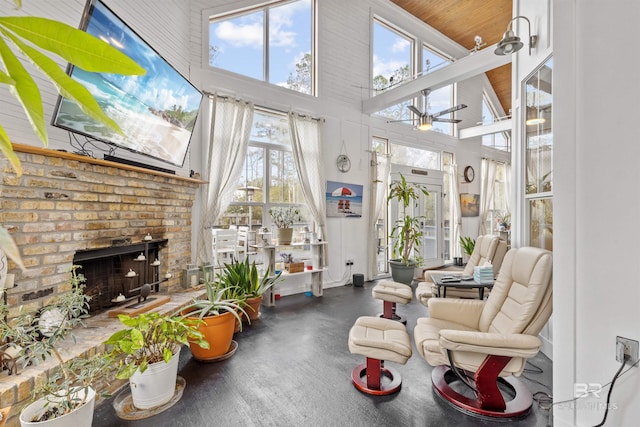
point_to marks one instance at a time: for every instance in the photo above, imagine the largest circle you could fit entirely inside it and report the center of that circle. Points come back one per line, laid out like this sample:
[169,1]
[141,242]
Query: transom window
[416,157]
[273,43]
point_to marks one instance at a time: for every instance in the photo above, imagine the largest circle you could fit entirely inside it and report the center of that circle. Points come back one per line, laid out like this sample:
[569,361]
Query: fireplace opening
[118,275]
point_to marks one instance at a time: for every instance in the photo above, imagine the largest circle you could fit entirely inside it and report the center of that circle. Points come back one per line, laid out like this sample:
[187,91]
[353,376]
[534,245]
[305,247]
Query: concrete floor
[292,368]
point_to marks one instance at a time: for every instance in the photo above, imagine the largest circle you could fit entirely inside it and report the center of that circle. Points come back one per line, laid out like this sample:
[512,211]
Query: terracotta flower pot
[252,309]
[218,331]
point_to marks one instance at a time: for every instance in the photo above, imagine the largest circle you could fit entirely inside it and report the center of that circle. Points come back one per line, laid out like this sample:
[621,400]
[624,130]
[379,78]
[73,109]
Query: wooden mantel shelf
[31,149]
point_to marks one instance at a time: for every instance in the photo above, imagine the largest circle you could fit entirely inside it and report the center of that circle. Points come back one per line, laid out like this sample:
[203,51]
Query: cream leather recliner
[490,340]
[488,248]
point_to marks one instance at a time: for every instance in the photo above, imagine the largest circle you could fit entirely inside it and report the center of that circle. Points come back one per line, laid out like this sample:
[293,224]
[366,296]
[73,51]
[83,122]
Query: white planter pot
[81,417]
[155,386]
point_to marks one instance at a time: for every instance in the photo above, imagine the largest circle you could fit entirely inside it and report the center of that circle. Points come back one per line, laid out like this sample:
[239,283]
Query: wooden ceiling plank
[461,21]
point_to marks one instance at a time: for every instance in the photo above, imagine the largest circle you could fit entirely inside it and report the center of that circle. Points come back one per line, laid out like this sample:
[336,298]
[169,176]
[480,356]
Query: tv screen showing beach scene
[157,111]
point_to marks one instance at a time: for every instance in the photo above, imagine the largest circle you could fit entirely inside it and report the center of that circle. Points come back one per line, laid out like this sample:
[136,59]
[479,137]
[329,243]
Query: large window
[392,65]
[274,43]
[539,156]
[499,141]
[399,57]
[269,176]
[440,99]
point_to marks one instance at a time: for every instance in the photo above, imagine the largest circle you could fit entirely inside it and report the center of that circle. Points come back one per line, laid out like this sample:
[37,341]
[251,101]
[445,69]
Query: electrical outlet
[348,262]
[629,348]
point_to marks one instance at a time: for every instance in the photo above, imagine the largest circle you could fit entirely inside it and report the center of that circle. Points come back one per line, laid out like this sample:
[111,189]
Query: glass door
[430,208]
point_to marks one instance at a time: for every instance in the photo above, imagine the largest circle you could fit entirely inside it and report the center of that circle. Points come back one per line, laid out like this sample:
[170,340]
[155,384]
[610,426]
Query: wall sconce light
[511,43]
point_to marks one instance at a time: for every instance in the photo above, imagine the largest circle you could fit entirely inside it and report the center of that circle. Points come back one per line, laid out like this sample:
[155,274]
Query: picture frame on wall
[469,204]
[344,200]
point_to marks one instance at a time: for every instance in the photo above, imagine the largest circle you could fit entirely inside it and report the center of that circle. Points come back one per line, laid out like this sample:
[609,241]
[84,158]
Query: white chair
[225,246]
[246,239]
[488,248]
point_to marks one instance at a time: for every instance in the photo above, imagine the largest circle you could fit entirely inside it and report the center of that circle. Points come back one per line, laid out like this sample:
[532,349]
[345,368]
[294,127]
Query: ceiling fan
[425,120]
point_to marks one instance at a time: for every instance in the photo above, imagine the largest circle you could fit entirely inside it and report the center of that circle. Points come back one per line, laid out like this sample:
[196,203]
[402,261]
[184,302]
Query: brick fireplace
[65,204]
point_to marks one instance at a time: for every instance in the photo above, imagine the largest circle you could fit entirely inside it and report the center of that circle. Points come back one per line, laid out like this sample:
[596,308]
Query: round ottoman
[392,293]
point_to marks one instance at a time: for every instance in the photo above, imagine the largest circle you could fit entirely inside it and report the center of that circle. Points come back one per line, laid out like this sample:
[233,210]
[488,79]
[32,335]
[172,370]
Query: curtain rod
[215,95]
[379,154]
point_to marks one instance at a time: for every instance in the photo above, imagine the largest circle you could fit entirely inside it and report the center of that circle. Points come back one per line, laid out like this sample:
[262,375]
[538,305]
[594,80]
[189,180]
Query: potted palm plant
[406,232]
[245,277]
[218,309]
[148,350]
[67,396]
[284,218]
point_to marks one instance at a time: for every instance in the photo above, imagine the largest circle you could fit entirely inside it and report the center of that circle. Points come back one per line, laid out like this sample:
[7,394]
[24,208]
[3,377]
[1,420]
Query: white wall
[596,180]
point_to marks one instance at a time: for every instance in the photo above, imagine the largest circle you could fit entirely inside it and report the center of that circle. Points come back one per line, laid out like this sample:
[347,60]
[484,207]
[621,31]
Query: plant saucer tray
[123,403]
[232,349]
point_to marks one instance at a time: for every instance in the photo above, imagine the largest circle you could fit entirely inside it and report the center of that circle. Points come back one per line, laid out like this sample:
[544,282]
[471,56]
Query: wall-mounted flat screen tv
[157,111]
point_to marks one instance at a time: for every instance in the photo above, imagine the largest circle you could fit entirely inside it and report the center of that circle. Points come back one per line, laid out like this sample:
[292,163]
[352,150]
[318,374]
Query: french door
[429,209]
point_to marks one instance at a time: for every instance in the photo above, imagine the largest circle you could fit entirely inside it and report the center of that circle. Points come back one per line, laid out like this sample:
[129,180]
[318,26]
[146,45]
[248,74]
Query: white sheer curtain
[306,145]
[380,167]
[507,186]
[487,184]
[454,206]
[230,127]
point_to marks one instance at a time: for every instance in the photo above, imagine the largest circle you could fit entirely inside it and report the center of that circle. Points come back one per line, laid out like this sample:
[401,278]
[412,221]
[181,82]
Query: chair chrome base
[374,370]
[487,404]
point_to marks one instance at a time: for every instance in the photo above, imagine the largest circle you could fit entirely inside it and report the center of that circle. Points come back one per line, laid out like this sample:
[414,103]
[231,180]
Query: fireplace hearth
[121,275]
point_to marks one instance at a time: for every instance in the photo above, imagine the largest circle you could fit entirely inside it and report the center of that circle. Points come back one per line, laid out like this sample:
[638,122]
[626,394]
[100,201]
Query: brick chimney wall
[64,202]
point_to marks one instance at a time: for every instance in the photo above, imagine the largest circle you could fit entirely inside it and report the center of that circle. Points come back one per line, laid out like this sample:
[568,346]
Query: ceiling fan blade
[449,110]
[415,110]
[436,119]
[400,121]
